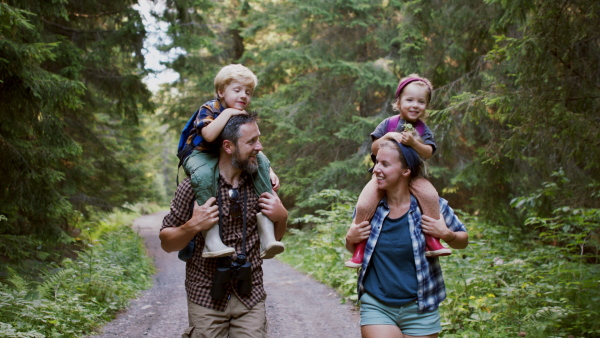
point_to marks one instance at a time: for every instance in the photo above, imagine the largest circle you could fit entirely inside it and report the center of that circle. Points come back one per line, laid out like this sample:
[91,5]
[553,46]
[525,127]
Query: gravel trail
[297,305]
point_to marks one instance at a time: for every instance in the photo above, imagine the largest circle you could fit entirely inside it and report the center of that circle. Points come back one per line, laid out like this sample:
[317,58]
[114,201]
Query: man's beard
[246,166]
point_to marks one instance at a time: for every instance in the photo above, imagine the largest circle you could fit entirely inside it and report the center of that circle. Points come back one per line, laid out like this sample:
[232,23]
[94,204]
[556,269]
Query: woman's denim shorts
[406,317]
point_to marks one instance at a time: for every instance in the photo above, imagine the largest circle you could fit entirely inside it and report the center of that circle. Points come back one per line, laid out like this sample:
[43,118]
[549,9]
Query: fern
[15,280]
[53,282]
[8,331]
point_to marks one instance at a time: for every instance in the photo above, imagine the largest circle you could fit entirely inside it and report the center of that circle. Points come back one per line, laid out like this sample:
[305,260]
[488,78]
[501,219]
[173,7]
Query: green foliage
[530,108]
[516,83]
[575,230]
[71,90]
[72,298]
[503,283]
[499,286]
[319,249]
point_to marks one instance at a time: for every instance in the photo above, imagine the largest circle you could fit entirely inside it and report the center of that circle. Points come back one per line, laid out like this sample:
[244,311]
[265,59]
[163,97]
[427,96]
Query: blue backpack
[184,149]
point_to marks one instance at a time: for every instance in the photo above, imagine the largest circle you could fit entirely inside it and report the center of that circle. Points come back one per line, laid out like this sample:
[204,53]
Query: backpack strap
[393,123]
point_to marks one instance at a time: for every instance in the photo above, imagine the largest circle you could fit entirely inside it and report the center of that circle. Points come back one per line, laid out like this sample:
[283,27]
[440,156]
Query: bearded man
[225,295]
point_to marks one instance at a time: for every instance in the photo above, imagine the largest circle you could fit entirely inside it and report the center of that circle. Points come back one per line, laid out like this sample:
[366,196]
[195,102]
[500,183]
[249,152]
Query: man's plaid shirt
[199,270]
[431,290]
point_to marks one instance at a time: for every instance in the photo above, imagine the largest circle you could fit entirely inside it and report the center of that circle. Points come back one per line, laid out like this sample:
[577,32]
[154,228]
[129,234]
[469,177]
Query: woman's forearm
[457,239]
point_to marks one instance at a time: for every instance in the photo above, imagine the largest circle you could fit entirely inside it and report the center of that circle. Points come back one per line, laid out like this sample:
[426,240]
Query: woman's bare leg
[380,331]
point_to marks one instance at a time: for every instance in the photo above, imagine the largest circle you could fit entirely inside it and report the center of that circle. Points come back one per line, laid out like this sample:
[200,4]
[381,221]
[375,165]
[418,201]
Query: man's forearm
[175,239]
[280,229]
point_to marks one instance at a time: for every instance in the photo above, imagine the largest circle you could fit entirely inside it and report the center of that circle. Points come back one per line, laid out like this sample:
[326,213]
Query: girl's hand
[358,232]
[393,136]
[408,138]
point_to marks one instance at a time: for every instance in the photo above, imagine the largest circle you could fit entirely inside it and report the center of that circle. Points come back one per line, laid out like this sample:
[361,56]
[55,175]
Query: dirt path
[297,306]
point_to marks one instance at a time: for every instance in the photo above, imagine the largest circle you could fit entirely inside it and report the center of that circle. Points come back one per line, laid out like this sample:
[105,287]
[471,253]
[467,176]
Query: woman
[398,287]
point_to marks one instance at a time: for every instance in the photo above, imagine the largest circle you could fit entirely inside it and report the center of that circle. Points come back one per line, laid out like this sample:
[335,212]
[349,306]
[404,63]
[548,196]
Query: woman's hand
[436,227]
[358,232]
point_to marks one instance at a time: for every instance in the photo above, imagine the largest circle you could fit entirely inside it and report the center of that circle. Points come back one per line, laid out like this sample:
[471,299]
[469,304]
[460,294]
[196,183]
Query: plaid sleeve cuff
[450,217]
[181,205]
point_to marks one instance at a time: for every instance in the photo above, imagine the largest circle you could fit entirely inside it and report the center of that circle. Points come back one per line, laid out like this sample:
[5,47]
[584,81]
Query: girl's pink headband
[406,82]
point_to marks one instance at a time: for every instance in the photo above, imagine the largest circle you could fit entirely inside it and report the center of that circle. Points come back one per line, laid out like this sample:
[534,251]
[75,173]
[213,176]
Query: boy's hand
[233,112]
[274,180]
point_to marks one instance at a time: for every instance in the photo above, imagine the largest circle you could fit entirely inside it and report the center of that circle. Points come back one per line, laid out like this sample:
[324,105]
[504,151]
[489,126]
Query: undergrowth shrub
[72,297]
[502,285]
[319,250]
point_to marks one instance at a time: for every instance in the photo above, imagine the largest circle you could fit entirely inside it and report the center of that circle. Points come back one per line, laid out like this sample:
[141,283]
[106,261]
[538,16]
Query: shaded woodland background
[515,113]
[515,108]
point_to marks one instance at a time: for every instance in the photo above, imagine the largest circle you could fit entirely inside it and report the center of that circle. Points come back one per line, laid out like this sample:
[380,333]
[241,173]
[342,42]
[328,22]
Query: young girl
[412,97]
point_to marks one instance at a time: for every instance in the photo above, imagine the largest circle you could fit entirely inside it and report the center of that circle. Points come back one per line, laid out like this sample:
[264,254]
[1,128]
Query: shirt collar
[243,178]
[413,203]
[219,106]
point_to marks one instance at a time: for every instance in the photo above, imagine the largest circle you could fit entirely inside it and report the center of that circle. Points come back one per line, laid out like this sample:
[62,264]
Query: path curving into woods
[297,305]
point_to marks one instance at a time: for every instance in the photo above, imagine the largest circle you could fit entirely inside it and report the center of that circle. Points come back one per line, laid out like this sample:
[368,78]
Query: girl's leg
[429,200]
[365,209]
[367,201]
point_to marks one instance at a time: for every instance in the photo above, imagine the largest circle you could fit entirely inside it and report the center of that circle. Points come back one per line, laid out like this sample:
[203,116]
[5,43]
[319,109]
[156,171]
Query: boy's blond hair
[234,72]
[423,82]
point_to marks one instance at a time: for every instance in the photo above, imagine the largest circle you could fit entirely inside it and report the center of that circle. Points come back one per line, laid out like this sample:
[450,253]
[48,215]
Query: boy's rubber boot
[356,261]
[434,248]
[269,247]
[213,246]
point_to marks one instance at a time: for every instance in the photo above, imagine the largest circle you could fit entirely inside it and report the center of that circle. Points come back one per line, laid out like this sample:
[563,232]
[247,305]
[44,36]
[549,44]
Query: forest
[515,112]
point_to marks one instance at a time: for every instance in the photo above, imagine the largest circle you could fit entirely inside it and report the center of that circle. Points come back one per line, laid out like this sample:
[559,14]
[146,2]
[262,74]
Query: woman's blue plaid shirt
[430,282]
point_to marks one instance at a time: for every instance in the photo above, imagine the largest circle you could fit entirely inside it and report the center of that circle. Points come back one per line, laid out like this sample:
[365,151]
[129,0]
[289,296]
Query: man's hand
[204,216]
[274,179]
[271,206]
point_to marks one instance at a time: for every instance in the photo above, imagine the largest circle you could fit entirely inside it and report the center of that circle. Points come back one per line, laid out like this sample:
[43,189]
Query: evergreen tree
[508,77]
[533,116]
[70,86]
